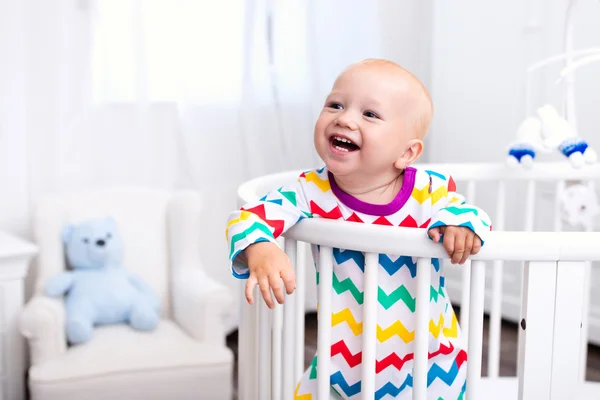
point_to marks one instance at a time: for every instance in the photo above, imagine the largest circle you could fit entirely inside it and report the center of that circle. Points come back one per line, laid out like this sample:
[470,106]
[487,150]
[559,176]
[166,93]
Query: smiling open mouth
[343,144]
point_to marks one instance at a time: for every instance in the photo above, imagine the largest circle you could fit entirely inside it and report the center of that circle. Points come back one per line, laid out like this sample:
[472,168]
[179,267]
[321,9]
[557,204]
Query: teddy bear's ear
[66,233]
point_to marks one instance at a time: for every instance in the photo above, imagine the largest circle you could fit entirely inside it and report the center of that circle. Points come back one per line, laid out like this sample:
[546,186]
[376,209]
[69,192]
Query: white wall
[407,29]
[14,197]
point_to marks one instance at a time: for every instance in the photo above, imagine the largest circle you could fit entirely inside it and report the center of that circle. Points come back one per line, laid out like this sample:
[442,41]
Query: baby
[368,134]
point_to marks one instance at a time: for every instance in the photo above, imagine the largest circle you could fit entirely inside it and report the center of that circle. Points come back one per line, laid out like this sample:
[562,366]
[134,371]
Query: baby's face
[366,124]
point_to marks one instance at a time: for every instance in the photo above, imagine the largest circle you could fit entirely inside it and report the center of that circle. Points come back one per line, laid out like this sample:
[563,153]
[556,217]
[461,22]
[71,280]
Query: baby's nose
[347,121]
[100,242]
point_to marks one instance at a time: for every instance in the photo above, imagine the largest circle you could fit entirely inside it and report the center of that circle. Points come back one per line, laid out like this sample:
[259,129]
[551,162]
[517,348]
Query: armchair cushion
[120,363]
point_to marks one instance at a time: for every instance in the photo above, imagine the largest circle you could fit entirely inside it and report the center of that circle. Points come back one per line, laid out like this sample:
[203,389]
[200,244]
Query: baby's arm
[251,235]
[59,284]
[461,227]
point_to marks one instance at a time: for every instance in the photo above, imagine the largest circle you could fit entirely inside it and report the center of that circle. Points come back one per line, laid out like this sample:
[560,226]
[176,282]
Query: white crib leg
[536,330]
[369,338]
[324,323]
[422,329]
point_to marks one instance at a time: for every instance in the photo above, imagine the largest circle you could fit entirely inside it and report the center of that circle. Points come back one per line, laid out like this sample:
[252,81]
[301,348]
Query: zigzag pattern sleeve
[453,210]
[264,220]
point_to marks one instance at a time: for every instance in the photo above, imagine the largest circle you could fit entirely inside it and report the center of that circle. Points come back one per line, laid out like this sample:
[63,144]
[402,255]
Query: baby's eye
[86,240]
[337,106]
[371,114]
[108,235]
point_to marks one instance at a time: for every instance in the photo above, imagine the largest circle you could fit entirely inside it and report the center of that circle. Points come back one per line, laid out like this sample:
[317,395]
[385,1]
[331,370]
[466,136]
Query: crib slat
[560,190]
[289,308]
[276,352]
[369,325]
[299,310]
[570,278]
[276,343]
[536,337]
[466,275]
[264,347]
[422,329]
[530,206]
[496,307]
[475,343]
[324,321]
[586,309]
[525,370]
[586,289]
[248,350]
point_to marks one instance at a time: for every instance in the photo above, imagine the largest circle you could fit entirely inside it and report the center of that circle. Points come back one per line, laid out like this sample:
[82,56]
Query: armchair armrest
[42,322]
[201,305]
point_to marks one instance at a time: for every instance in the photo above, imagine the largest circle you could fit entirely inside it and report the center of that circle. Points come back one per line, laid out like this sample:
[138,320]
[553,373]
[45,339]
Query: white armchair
[184,358]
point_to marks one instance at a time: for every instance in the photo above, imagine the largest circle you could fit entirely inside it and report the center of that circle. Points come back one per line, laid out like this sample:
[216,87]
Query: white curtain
[178,94]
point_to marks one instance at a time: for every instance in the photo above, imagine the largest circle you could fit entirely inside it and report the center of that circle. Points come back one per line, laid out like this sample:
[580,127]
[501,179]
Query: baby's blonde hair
[423,110]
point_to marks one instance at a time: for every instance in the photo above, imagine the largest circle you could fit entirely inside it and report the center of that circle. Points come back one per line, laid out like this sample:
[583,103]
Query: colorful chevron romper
[427,199]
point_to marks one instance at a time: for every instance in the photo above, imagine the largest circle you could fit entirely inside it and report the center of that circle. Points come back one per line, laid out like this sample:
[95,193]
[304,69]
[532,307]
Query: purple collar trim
[377,209]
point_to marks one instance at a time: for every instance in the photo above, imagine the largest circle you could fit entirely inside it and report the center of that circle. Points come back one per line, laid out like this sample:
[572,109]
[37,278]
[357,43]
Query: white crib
[554,301]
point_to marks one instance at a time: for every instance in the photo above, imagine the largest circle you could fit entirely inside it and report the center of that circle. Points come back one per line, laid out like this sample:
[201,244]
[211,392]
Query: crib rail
[539,246]
[555,282]
[554,275]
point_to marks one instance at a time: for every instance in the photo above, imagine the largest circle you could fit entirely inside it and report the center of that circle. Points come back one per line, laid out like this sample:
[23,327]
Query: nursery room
[295,200]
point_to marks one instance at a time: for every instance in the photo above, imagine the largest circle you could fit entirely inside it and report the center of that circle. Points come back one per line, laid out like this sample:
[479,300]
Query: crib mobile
[547,133]
[550,132]
[545,130]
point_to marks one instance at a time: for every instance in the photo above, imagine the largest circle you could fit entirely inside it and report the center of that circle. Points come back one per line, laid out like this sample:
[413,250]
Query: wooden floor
[508,352]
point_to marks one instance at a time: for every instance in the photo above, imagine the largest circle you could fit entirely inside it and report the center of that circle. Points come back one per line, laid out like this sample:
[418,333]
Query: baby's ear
[67,232]
[412,152]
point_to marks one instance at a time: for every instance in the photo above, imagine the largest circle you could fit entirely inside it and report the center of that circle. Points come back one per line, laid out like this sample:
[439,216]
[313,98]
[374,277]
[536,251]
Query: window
[165,50]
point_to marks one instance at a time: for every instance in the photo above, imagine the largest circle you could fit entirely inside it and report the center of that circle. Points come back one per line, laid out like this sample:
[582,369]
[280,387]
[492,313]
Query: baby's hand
[460,242]
[268,265]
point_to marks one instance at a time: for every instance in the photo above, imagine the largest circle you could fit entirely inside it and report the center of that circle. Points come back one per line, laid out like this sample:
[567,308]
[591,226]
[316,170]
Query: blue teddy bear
[98,290]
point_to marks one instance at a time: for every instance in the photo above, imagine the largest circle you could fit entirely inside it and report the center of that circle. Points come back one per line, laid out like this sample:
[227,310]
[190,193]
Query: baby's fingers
[435,234]
[459,248]
[449,236]
[275,282]
[469,239]
[476,245]
[250,284]
[265,289]
[289,279]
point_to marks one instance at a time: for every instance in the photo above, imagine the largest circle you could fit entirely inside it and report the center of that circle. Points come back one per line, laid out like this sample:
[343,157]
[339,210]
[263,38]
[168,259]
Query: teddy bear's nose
[100,242]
